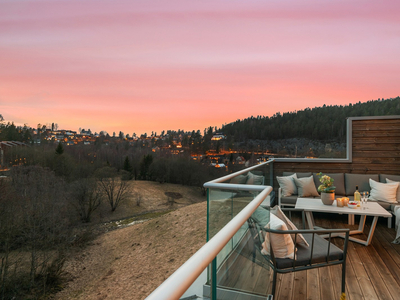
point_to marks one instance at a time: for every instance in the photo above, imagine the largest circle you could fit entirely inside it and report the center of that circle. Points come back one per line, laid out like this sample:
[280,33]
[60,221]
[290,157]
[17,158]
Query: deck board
[372,272]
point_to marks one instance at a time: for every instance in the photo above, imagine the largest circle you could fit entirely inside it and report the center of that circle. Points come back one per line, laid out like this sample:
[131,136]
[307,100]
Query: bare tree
[86,197]
[44,227]
[9,231]
[114,188]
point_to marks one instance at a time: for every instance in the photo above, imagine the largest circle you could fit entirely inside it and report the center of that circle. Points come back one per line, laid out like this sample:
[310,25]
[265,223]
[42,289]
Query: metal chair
[320,253]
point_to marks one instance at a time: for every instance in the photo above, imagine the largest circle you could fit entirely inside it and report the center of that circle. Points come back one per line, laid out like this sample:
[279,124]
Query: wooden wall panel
[375,150]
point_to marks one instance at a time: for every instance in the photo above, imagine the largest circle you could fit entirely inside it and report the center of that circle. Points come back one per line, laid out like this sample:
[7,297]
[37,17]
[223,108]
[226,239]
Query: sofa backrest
[362,180]
[299,175]
[382,177]
[338,182]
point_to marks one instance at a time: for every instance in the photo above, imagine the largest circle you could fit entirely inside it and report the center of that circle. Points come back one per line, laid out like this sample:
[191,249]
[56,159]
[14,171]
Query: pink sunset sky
[151,65]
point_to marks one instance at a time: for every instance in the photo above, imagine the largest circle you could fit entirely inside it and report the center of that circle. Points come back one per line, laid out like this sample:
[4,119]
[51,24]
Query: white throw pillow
[306,187]
[299,237]
[286,183]
[383,191]
[282,244]
[398,188]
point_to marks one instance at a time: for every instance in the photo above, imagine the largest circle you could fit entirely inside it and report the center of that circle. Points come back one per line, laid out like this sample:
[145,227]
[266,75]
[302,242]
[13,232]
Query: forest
[326,123]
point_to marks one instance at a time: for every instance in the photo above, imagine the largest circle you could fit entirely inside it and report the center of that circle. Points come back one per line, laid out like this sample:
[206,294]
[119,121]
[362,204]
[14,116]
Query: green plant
[326,184]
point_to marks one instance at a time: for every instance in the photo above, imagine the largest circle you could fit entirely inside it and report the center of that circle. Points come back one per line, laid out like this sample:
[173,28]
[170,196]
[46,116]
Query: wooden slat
[313,287]
[369,123]
[360,273]
[374,140]
[300,288]
[374,169]
[376,154]
[286,287]
[325,282]
[388,255]
[374,277]
[376,147]
[377,160]
[376,133]
[387,278]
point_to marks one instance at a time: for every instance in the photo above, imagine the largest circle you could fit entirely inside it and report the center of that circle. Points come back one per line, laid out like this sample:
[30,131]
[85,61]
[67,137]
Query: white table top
[316,205]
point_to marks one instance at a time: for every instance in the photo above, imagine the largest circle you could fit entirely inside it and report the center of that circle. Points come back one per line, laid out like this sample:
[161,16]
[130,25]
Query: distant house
[218,137]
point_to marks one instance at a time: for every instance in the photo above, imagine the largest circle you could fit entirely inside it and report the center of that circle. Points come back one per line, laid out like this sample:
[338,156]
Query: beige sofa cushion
[286,183]
[398,189]
[306,187]
[383,191]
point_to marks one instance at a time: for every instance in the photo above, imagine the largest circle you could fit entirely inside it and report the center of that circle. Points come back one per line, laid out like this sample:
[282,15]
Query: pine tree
[127,165]
[59,149]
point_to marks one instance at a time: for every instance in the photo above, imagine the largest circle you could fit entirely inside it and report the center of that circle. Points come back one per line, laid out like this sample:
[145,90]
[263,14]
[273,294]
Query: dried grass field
[131,261]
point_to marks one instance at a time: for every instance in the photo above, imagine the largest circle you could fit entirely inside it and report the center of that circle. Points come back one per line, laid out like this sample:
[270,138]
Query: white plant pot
[327,198]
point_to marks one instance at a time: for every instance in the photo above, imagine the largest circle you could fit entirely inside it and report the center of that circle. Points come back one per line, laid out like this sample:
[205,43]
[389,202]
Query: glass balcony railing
[233,271]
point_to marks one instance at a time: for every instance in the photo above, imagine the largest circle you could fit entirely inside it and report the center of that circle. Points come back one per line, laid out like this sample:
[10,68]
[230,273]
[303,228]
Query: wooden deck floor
[372,272]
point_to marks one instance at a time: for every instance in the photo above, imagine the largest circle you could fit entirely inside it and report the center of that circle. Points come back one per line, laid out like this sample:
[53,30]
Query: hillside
[129,263]
[326,123]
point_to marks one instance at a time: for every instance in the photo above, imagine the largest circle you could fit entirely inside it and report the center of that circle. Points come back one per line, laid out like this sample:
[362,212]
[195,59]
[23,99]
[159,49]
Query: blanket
[397,226]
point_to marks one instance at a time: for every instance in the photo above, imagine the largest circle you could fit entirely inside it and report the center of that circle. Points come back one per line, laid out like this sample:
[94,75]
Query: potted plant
[327,189]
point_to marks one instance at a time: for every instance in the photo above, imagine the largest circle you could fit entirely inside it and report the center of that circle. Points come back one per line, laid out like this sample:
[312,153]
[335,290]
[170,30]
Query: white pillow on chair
[282,244]
[276,210]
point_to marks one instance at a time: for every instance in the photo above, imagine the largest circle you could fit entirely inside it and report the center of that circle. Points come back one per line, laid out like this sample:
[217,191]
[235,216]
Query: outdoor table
[373,209]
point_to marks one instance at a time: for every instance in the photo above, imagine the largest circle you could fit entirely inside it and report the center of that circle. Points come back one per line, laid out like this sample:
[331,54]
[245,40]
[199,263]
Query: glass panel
[237,269]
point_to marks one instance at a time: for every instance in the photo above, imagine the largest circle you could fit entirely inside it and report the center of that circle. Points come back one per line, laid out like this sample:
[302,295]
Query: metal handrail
[177,284]
[230,176]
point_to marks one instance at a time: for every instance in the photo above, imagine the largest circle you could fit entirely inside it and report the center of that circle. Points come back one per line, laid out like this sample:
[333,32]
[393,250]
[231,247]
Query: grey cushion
[289,200]
[254,179]
[319,255]
[305,187]
[362,180]
[382,177]
[338,182]
[240,179]
[299,175]
[385,205]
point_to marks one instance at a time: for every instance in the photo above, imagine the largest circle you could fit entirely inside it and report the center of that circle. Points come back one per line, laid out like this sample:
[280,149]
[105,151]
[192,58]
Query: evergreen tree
[128,168]
[59,149]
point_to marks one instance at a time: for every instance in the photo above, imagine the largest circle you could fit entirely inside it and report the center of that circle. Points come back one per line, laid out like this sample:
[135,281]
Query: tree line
[326,123]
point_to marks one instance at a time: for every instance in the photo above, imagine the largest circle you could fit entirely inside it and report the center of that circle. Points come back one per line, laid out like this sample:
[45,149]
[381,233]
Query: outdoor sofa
[307,184]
